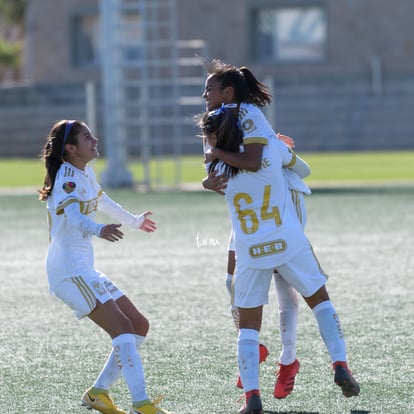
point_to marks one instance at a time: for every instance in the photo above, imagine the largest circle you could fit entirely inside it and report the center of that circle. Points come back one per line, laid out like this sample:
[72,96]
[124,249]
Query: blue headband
[218,111]
[68,127]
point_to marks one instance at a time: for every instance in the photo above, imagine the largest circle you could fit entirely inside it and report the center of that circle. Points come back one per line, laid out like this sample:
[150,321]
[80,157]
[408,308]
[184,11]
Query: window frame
[75,59]
[254,8]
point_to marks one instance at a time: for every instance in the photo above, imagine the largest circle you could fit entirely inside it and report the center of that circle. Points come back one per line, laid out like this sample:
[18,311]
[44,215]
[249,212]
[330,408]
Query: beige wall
[48,30]
[358,30]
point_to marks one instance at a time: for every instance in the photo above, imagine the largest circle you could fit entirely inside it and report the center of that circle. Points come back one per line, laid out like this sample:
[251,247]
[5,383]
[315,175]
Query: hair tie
[68,127]
[220,110]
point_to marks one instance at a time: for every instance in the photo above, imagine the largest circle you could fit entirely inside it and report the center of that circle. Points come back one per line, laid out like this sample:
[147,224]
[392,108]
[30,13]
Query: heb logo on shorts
[268,248]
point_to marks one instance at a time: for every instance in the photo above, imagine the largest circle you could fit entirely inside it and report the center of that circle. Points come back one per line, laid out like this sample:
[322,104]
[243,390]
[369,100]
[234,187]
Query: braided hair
[63,132]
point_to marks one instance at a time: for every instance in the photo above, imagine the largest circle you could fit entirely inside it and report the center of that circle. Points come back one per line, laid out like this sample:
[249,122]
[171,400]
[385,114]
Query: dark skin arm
[249,160]
[231,262]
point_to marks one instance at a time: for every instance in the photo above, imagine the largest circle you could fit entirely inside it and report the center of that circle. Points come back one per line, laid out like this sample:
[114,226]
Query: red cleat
[285,379]
[253,404]
[344,379]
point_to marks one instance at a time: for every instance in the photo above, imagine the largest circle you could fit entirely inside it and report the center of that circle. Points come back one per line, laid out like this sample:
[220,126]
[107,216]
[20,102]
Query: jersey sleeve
[65,191]
[294,182]
[109,207]
[291,160]
[82,222]
[67,201]
[254,125]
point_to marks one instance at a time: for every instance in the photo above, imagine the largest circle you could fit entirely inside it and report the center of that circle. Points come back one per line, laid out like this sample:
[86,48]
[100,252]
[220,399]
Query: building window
[86,40]
[287,34]
[131,36]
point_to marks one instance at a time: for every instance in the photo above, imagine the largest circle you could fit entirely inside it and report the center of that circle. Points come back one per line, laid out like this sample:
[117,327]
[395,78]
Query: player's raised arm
[299,166]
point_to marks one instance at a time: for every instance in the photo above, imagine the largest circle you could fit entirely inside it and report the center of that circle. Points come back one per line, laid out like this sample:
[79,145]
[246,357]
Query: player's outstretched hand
[111,232]
[290,142]
[215,182]
[147,225]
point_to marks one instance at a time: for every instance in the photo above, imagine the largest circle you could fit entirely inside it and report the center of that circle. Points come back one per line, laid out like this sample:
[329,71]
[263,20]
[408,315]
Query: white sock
[288,319]
[248,357]
[129,362]
[110,372]
[330,330]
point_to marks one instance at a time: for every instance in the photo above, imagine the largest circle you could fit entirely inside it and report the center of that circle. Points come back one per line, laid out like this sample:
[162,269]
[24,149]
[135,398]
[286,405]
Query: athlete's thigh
[286,293]
[251,287]
[251,318]
[110,318]
[138,320]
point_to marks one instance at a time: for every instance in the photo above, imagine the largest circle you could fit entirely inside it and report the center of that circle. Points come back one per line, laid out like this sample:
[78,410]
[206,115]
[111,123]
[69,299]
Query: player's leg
[288,365]
[250,291]
[110,318]
[110,372]
[333,337]
[248,357]
[305,274]
[83,297]
[125,344]
[231,267]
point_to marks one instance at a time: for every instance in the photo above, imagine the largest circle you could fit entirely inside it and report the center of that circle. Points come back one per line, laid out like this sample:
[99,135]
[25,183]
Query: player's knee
[121,326]
[143,327]
[321,295]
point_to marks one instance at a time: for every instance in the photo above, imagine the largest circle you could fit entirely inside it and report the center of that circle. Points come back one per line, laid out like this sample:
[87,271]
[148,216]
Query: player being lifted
[238,88]
[268,236]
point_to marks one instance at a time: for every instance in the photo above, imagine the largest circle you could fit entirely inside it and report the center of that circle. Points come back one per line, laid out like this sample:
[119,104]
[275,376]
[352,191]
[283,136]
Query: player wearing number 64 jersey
[267,230]
[268,236]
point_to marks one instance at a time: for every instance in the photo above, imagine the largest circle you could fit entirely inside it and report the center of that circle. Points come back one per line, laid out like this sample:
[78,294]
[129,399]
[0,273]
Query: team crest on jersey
[247,125]
[69,187]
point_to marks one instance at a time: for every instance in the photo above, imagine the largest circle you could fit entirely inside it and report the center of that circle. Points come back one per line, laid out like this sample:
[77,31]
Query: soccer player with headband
[73,197]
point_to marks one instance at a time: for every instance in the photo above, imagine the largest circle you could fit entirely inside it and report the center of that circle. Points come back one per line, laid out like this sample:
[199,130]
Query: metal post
[376,73]
[116,173]
[91,105]
[270,109]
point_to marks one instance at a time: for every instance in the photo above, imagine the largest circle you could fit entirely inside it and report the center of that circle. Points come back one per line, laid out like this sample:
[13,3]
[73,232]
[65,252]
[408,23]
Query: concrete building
[341,71]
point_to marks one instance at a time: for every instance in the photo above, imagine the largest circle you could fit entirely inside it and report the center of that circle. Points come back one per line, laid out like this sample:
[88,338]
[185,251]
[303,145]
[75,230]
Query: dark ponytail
[63,132]
[246,87]
[259,93]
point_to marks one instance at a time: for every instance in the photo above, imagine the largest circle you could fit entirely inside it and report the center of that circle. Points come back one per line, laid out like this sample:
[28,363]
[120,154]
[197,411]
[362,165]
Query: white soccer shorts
[303,272]
[82,293]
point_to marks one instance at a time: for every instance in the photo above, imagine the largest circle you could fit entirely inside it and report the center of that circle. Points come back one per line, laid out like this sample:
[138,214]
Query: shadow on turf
[290,412]
[311,412]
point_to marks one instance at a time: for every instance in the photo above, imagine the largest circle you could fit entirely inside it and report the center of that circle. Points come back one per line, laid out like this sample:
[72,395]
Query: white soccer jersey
[72,206]
[255,128]
[70,250]
[266,227]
